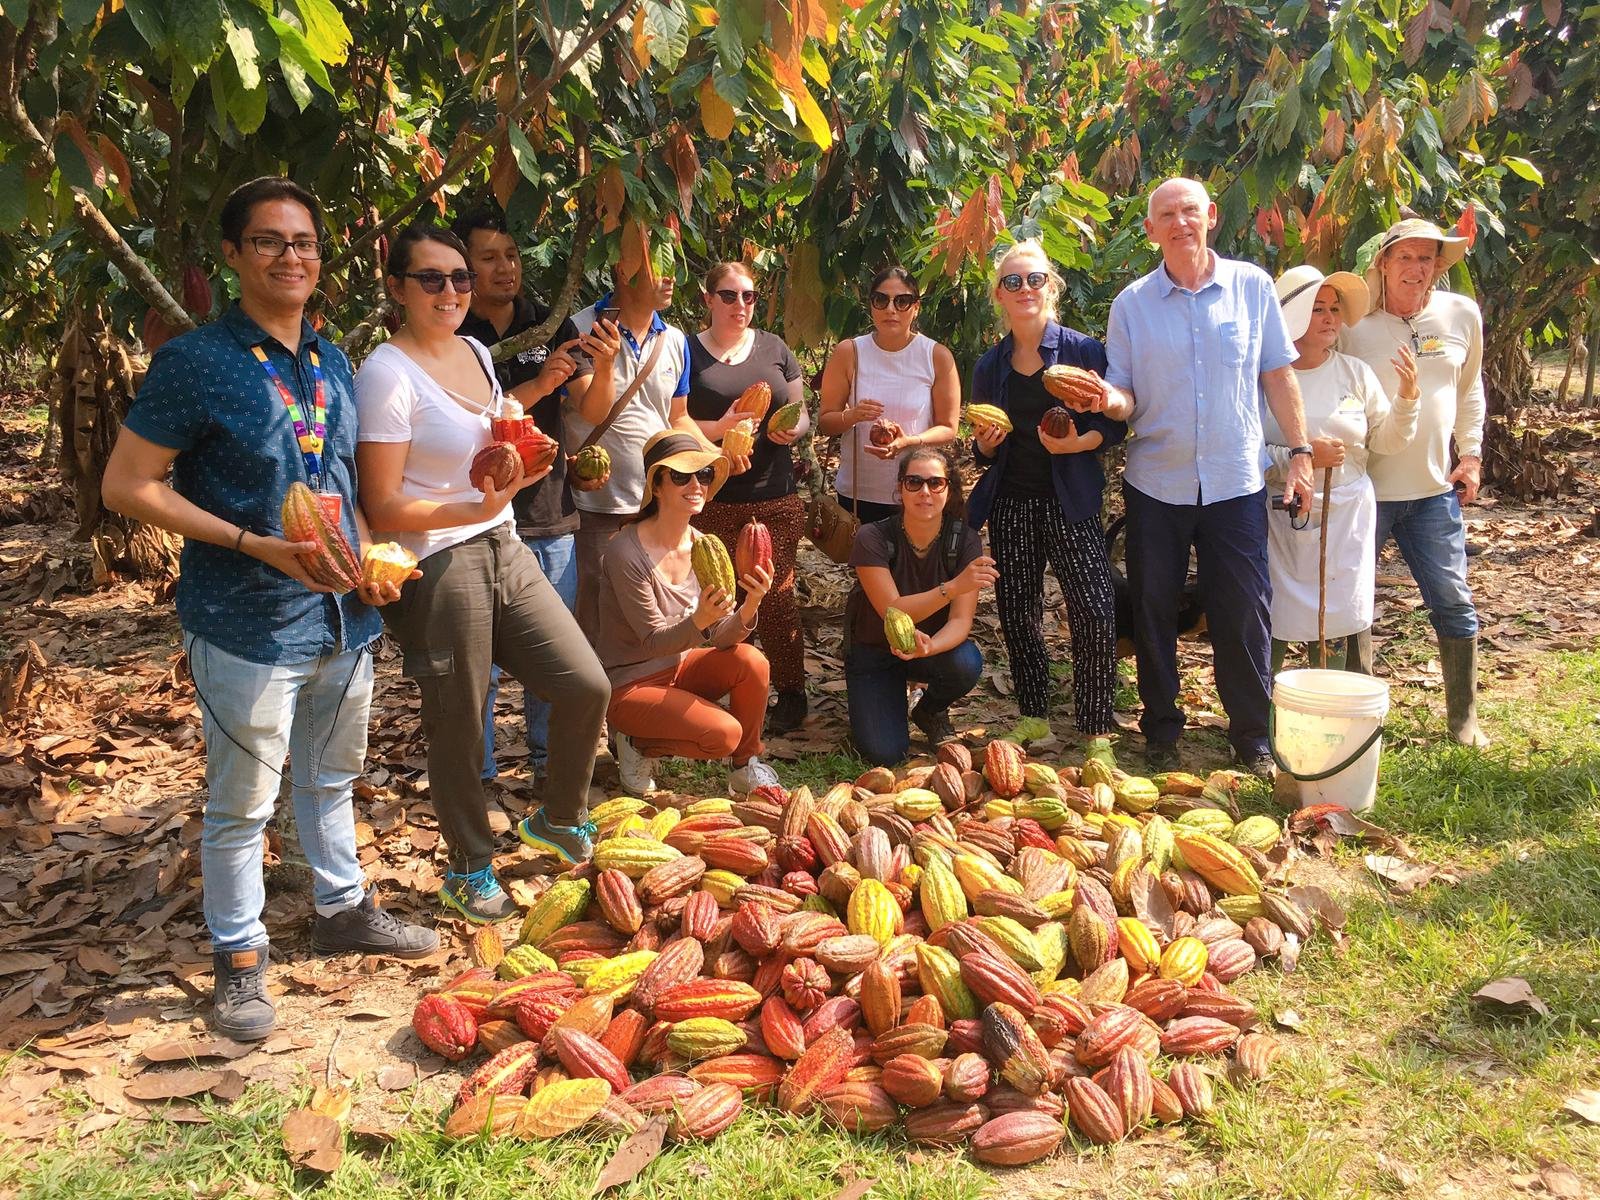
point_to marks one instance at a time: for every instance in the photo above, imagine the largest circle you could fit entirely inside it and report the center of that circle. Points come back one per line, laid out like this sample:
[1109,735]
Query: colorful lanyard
[310,439]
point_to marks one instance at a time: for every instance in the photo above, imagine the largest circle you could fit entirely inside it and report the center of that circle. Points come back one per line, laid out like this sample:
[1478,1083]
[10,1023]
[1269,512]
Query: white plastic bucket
[1327,736]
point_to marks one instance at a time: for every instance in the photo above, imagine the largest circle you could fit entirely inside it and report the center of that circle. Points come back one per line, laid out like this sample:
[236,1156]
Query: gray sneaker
[367,929]
[241,1009]
[637,771]
[746,779]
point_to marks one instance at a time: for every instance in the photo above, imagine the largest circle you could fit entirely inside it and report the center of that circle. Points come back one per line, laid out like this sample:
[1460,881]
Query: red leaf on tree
[685,164]
[1269,224]
[1467,225]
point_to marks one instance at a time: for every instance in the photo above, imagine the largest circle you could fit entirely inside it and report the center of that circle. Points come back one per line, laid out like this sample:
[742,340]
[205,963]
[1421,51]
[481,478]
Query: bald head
[1177,186]
[1179,217]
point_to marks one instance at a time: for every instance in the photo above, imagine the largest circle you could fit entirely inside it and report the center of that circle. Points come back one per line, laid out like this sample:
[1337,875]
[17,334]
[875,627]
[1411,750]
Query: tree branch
[562,304]
[459,163]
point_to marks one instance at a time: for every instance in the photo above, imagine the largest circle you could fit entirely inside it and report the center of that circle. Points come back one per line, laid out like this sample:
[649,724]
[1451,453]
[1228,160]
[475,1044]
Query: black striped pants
[1024,535]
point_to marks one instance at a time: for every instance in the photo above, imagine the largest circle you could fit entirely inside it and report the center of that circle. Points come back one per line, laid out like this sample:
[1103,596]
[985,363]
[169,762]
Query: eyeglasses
[729,296]
[1034,279]
[901,302]
[1416,341]
[433,282]
[273,247]
[915,483]
[706,475]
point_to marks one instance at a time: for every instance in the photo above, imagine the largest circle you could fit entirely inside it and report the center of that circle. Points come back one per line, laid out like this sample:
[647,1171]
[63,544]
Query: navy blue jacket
[1079,480]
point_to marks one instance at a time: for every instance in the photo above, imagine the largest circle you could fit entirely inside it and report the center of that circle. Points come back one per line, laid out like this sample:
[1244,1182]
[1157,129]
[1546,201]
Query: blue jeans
[1433,541]
[876,691]
[558,561]
[254,714]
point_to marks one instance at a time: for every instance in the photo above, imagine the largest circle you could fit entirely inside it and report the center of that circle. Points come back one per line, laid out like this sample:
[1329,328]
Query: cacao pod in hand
[741,439]
[988,416]
[390,562]
[753,549]
[711,564]
[306,519]
[497,463]
[754,401]
[536,450]
[901,631]
[1074,385]
[883,432]
[785,419]
[589,468]
[1057,422]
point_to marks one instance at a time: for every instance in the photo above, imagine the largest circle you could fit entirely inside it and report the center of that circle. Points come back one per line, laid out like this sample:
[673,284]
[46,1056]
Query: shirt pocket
[1233,338]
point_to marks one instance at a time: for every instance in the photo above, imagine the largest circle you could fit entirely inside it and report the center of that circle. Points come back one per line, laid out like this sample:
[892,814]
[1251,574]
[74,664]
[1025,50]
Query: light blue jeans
[254,714]
[558,560]
[1433,541]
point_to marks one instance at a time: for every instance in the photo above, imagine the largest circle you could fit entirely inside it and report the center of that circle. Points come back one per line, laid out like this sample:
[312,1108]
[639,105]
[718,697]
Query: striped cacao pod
[753,549]
[987,416]
[308,517]
[900,630]
[712,566]
[590,465]
[754,400]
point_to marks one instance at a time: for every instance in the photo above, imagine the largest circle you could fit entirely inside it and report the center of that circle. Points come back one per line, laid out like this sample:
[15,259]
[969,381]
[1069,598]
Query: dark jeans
[1433,541]
[480,602]
[1230,540]
[870,509]
[876,691]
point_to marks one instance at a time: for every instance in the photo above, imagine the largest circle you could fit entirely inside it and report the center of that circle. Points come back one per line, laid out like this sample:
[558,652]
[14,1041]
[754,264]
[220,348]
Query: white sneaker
[637,771]
[754,774]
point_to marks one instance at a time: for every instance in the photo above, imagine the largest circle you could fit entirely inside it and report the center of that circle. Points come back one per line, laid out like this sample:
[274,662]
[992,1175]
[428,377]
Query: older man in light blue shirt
[1191,348]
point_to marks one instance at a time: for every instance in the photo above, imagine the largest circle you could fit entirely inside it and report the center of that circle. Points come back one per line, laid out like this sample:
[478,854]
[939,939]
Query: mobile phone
[609,313]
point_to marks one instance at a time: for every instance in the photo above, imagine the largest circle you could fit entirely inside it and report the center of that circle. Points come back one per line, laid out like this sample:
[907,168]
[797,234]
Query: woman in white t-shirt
[1348,419]
[424,400]
[893,374]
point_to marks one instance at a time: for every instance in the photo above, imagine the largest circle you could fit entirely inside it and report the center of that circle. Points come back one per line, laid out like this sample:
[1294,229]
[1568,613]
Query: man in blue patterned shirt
[1191,349]
[280,664]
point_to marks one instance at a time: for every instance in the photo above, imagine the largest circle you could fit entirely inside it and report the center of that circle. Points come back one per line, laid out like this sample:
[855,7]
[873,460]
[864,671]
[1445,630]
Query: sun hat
[1452,249]
[1297,295]
[681,452]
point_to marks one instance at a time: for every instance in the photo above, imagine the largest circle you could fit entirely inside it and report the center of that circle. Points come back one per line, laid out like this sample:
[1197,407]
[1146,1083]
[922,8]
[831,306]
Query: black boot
[1459,659]
[367,929]
[241,1009]
[788,713]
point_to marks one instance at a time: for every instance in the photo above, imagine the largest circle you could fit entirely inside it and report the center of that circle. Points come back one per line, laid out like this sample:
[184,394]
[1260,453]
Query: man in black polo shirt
[535,378]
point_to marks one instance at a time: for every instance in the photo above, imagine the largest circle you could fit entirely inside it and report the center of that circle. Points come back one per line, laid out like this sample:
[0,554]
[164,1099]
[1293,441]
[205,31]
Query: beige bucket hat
[1452,249]
[1297,295]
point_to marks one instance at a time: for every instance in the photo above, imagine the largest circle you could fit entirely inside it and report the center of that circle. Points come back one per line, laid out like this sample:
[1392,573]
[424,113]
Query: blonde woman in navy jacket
[1041,495]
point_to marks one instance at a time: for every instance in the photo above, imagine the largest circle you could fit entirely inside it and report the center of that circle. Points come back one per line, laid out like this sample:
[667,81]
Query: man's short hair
[241,202]
[486,217]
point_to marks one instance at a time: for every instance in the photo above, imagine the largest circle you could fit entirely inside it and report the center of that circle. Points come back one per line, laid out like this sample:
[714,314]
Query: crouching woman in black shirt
[930,565]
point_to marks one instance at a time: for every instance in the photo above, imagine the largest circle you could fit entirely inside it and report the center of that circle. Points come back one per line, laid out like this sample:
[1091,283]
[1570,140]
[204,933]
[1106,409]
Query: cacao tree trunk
[96,379]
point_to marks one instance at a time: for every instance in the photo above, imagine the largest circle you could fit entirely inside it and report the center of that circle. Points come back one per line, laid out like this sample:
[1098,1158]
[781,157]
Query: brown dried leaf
[1585,1105]
[194,1049]
[173,1085]
[313,1140]
[1511,995]
[634,1155]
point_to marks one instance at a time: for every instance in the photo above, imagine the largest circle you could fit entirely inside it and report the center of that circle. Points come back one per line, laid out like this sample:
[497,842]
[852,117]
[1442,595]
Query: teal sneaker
[572,844]
[477,896]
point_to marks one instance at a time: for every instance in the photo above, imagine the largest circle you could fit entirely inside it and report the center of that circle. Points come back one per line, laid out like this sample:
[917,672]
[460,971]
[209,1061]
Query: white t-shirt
[1449,349]
[398,401]
[1343,399]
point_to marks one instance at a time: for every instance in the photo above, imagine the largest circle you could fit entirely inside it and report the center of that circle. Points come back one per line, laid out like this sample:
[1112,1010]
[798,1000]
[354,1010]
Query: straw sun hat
[1297,294]
[681,452]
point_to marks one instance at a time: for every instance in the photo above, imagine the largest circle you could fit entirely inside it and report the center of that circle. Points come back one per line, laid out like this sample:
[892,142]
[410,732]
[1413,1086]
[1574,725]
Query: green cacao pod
[712,566]
[901,631]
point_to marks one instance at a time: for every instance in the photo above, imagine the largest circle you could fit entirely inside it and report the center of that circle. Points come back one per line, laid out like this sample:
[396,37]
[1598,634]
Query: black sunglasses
[934,483]
[706,475]
[1034,279]
[729,296]
[901,302]
[433,282]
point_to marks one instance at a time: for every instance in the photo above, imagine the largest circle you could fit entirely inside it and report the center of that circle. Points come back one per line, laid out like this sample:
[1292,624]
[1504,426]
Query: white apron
[1292,563]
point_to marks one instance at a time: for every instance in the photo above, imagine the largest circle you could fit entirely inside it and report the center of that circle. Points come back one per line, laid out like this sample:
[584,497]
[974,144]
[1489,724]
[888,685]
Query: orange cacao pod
[1016,1138]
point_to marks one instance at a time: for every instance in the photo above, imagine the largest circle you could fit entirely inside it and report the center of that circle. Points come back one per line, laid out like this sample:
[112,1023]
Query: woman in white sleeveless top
[893,374]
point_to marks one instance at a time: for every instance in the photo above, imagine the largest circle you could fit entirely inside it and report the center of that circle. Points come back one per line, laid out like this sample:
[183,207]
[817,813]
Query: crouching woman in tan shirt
[670,649]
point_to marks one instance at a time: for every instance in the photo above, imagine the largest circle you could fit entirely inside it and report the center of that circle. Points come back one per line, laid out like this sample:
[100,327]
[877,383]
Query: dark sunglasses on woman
[1034,279]
[432,282]
[729,296]
[706,475]
[934,483]
[901,302]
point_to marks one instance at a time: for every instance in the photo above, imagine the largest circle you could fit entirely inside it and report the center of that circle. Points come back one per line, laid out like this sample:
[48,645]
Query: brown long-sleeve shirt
[646,623]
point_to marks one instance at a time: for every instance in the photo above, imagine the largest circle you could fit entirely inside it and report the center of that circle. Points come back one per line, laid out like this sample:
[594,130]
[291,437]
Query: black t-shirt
[1028,465]
[546,508]
[911,572]
[713,385]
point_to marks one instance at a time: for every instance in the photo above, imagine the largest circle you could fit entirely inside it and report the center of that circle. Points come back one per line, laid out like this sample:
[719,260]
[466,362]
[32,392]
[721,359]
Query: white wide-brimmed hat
[1452,249]
[1297,295]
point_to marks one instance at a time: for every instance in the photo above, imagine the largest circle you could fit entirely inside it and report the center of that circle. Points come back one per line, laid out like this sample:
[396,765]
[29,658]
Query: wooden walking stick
[1322,573]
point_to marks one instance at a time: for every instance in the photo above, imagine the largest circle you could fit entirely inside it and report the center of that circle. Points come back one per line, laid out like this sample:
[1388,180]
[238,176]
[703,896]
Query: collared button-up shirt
[1193,361]
[207,397]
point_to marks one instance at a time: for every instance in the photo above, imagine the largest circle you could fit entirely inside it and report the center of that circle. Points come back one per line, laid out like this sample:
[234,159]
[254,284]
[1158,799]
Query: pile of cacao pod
[988,954]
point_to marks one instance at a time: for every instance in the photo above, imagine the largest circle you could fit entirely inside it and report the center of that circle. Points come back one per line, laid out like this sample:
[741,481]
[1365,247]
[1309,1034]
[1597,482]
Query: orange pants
[671,714]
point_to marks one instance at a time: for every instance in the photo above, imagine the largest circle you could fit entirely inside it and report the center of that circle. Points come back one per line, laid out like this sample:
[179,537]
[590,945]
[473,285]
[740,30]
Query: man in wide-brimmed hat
[1418,486]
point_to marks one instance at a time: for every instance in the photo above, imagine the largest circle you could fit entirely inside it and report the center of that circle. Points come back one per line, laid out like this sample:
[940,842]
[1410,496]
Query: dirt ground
[104,961]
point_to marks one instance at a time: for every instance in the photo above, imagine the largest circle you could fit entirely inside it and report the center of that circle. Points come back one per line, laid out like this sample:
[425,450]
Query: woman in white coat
[1348,418]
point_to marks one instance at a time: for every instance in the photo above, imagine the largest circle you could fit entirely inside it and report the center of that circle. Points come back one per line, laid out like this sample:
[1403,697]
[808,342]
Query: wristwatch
[1293,450]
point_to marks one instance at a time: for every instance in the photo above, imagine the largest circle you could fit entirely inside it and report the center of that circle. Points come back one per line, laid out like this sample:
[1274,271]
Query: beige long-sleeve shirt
[1344,399]
[646,622]
[1449,349]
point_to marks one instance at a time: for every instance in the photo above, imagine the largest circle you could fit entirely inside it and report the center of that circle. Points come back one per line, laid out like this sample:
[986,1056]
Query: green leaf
[75,14]
[667,28]
[245,107]
[149,19]
[325,30]
[1523,169]
[196,30]
[13,197]
[522,151]
[729,34]
[293,49]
